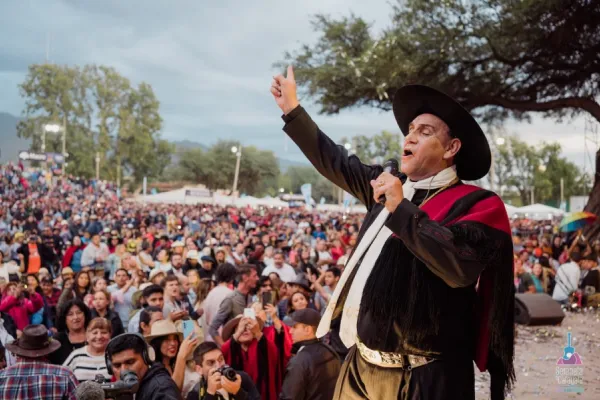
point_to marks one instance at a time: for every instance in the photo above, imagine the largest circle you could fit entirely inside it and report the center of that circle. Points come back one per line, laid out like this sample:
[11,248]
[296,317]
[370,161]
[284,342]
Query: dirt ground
[538,349]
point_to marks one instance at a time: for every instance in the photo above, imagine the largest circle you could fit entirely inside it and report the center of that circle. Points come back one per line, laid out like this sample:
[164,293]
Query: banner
[144,185]
[306,190]
[197,193]
[349,200]
[47,157]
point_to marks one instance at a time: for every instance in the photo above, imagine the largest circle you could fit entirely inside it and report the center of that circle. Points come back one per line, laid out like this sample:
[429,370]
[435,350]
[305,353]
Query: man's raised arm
[330,159]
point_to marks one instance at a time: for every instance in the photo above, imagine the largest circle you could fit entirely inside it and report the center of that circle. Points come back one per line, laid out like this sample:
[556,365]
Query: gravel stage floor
[539,348]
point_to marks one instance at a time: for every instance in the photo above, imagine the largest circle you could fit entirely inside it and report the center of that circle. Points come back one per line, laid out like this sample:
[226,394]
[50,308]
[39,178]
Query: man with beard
[429,287]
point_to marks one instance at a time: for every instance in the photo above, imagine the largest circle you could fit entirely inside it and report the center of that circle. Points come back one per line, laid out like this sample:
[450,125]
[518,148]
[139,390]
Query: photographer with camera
[218,380]
[132,362]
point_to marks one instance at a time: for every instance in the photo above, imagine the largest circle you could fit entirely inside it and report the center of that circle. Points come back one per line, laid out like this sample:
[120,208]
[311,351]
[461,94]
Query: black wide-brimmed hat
[33,343]
[474,159]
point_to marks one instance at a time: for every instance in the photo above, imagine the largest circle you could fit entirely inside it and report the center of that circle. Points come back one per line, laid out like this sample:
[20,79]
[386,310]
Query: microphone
[391,166]
[89,390]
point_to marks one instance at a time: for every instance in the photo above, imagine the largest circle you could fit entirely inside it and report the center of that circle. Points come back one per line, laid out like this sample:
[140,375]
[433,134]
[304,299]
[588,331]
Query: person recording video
[215,381]
[129,353]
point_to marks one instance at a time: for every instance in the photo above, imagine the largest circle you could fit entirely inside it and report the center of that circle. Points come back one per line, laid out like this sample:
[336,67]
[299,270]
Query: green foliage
[520,167]
[499,57]
[298,176]
[376,149]
[101,112]
[215,168]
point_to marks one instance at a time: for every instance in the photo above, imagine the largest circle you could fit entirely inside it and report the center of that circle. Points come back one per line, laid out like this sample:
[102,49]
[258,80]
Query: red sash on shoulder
[491,212]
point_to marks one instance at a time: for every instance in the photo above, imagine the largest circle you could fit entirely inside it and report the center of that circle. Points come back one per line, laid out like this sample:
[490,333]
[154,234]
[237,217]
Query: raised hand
[188,345]
[283,90]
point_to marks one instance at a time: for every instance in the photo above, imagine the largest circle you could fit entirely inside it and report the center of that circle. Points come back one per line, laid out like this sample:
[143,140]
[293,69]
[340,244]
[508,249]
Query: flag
[349,200]
[306,190]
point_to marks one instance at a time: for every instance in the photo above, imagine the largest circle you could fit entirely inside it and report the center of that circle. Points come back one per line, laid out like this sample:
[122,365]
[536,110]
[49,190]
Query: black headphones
[148,354]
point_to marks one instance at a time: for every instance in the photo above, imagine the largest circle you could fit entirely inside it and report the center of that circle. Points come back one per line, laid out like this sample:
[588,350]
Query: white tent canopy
[511,210]
[355,209]
[191,196]
[539,212]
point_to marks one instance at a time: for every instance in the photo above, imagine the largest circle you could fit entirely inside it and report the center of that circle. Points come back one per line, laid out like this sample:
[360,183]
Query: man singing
[429,286]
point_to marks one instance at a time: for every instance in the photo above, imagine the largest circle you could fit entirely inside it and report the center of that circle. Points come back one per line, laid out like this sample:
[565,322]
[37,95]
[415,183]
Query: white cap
[193,254]
[154,272]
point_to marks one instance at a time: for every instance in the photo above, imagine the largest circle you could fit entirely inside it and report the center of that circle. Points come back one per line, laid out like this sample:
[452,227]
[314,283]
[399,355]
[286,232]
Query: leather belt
[391,360]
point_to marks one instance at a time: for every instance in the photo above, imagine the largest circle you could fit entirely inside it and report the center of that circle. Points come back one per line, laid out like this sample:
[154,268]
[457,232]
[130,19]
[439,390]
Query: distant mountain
[187,144]
[285,164]
[10,144]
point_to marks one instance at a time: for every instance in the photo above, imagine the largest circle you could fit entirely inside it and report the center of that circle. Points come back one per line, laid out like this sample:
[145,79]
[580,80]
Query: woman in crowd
[89,360]
[304,261]
[298,301]
[80,288]
[98,283]
[71,323]
[194,282]
[72,257]
[220,256]
[102,308]
[540,278]
[18,306]
[337,250]
[113,262]
[51,295]
[170,348]
[8,333]
[162,262]
[263,353]
[43,315]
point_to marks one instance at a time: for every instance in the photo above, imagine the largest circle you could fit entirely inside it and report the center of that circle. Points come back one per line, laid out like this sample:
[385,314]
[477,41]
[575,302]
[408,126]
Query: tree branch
[582,103]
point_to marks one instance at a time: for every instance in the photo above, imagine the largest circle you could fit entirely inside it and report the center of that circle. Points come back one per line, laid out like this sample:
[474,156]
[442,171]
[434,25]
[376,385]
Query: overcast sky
[209,62]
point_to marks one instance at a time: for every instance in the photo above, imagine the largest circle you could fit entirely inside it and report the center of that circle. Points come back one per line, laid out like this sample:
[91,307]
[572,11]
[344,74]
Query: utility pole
[562,191]
[118,171]
[238,153]
[44,146]
[64,145]
[97,165]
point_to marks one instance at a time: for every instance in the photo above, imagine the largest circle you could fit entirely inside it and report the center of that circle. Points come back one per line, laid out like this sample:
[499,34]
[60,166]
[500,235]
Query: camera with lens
[227,372]
[123,389]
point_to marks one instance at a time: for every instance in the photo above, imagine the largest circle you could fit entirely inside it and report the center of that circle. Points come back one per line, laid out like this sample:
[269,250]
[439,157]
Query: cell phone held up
[249,313]
[267,298]
[188,328]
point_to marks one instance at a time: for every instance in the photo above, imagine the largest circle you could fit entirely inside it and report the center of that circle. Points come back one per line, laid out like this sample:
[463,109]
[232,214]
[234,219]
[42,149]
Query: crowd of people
[564,266]
[202,287]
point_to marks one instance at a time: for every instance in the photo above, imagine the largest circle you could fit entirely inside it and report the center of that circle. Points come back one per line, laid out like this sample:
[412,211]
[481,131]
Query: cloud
[210,63]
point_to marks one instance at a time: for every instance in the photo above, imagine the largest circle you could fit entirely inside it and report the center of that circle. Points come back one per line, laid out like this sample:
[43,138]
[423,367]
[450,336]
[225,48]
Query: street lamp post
[499,142]
[541,168]
[238,152]
[55,128]
[340,191]
[97,166]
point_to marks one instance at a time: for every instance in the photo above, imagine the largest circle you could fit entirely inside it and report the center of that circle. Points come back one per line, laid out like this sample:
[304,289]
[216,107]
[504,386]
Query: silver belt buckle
[371,355]
[391,360]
